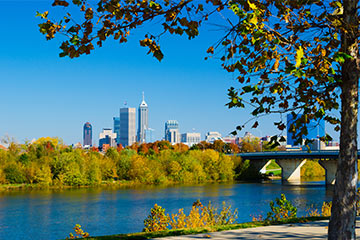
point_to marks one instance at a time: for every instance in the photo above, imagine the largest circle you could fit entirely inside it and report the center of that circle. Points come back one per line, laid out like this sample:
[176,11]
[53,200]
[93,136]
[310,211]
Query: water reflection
[51,214]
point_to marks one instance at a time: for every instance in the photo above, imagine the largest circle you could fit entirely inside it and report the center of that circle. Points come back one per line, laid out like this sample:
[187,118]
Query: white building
[190,138]
[172,133]
[212,137]
[143,120]
[107,136]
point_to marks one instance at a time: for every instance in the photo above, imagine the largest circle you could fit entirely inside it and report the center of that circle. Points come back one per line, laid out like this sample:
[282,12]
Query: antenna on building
[125,103]
[143,96]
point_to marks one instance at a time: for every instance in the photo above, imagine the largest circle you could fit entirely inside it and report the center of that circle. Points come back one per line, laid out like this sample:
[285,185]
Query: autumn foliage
[47,162]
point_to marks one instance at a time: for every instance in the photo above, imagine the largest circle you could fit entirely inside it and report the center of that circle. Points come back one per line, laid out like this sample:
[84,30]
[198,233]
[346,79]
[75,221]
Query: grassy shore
[168,233]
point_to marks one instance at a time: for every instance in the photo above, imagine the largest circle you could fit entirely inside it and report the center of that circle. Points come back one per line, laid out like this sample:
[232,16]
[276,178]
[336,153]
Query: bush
[14,174]
[199,216]
[157,220]
[283,210]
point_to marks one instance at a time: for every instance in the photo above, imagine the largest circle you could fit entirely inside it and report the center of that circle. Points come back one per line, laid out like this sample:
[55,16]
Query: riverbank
[221,232]
[311,230]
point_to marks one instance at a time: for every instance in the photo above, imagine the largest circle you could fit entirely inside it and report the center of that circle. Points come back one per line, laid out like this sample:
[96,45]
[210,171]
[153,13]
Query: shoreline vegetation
[48,163]
[209,218]
[179,232]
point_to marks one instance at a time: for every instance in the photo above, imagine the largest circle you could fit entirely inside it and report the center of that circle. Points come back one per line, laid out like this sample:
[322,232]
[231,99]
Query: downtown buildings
[125,125]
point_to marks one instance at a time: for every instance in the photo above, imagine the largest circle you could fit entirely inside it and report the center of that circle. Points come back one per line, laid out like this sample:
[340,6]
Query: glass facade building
[316,129]
[127,126]
[87,135]
[117,128]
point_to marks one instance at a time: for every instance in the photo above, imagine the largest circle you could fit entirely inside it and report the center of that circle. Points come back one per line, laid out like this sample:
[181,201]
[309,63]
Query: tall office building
[117,128]
[316,129]
[127,126]
[87,134]
[143,120]
[172,133]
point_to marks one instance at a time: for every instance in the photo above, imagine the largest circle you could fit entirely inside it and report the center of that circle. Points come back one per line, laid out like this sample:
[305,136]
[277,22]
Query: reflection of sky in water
[52,214]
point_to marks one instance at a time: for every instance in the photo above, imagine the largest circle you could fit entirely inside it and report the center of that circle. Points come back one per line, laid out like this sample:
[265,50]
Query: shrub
[203,216]
[326,209]
[79,233]
[283,210]
[157,220]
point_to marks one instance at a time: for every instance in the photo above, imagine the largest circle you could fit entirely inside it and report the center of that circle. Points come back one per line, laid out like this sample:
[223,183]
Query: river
[51,214]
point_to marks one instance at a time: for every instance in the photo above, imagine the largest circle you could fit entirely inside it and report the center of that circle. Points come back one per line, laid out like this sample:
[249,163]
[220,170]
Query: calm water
[52,214]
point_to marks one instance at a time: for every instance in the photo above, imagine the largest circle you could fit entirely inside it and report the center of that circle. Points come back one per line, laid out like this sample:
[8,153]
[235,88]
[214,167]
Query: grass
[168,233]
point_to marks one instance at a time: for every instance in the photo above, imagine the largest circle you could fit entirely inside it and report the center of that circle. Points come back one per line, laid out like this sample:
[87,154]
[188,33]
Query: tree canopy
[289,56]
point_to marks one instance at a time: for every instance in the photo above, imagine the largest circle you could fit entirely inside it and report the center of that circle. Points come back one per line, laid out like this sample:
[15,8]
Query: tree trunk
[343,212]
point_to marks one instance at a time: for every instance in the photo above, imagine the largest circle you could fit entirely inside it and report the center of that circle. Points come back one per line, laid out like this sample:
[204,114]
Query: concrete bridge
[291,162]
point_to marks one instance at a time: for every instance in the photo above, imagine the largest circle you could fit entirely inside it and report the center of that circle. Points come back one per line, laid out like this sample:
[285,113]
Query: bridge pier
[290,168]
[260,164]
[330,167]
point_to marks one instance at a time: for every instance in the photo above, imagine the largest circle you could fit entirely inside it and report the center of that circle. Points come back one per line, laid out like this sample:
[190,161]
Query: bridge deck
[322,154]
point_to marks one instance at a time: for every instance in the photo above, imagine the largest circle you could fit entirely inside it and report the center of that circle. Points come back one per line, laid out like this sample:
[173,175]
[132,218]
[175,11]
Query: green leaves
[340,57]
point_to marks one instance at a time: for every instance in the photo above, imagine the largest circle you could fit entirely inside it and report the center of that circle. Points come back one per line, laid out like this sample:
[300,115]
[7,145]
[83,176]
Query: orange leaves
[277,63]
[60,3]
[89,14]
[210,50]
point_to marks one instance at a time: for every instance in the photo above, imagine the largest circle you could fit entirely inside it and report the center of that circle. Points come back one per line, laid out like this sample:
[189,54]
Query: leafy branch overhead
[116,19]
[286,56]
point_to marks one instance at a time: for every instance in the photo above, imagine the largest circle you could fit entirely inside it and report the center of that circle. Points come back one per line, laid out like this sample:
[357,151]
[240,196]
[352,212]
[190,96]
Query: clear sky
[44,95]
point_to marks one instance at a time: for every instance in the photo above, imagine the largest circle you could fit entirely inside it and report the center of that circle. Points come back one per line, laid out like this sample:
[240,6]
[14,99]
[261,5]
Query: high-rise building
[316,129]
[143,120]
[107,137]
[190,138]
[87,134]
[117,128]
[149,135]
[172,133]
[127,126]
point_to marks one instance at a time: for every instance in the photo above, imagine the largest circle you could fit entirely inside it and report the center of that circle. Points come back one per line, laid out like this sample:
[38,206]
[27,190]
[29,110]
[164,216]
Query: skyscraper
[87,134]
[143,123]
[127,126]
[172,133]
[117,128]
[316,129]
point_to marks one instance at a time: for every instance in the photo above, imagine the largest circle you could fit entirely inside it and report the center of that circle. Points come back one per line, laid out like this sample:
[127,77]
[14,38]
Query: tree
[296,56]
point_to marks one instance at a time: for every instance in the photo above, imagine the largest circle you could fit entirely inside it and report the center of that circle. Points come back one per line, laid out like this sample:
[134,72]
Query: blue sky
[44,95]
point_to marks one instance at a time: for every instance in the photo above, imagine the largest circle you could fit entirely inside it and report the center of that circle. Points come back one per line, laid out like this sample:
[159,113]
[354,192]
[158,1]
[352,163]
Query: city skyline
[50,91]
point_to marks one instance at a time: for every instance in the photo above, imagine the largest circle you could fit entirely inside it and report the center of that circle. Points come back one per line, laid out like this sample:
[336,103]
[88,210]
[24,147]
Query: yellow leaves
[252,6]
[253,20]
[299,55]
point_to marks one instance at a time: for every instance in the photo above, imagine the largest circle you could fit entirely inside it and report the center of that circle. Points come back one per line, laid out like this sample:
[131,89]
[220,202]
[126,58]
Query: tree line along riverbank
[48,162]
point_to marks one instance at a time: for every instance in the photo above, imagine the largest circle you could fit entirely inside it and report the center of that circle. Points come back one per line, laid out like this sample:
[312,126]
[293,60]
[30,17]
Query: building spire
[143,103]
